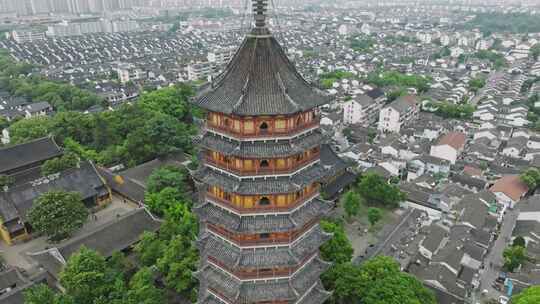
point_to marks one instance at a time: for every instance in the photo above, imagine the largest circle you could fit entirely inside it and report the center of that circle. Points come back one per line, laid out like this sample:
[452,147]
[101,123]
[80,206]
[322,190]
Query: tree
[514,256]
[519,241]
[351,203]
[150,248]
[87,278]
[172,101]
[345,280]
[531,177]
[29,129]
[42,294]
[376,190]
[59,164]
[161,202]
[58,214]
[5,180]
[384,283]
[530,295]
[142,289]
[338,249]
[167,176]
[3,123]
[374,215]
[178,263]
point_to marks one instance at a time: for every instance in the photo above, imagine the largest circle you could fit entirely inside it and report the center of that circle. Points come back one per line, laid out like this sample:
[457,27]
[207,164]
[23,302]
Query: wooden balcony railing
[238,239]
[262,273]
[271,170]
[264,133]
[263,209]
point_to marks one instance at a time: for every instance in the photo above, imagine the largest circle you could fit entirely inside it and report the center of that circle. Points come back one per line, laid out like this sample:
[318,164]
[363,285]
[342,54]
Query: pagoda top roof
[260,80]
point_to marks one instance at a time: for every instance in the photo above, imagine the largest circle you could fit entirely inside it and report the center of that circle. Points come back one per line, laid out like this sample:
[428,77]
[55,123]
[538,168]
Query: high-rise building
[259,181]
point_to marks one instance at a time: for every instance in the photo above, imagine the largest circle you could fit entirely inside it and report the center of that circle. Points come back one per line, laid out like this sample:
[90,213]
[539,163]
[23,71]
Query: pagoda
[259,180]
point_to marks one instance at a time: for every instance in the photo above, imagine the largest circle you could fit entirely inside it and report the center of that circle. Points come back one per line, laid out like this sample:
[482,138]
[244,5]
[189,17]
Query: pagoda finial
[260,8]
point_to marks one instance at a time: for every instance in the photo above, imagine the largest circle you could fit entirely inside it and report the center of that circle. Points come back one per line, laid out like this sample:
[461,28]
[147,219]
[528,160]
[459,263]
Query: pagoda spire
[260,10]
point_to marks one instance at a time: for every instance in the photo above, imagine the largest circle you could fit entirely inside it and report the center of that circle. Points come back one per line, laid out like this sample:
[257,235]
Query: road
[377,249]
[494,256]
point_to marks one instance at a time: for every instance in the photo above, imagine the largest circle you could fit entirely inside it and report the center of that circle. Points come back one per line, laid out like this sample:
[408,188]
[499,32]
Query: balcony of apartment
[261,167]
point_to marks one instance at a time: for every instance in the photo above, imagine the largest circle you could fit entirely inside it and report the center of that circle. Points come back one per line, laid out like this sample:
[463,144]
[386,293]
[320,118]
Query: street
[494,257]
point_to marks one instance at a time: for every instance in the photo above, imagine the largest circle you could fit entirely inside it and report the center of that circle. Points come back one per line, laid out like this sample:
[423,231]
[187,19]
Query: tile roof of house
[455,140]
[511,186]
[116,235]
[25,154]
[404,104]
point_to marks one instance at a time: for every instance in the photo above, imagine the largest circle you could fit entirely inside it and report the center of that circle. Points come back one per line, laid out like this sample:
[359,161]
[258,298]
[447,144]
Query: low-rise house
[515,147]
[509,190]
[17,160]
[16,201]
[449,146]
[117,235]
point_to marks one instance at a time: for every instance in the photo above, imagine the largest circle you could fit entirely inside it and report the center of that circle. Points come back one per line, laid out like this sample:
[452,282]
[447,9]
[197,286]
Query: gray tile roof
[114,236]
[85,180]
[256,149]
[260,80]
[262,223]
[29,153]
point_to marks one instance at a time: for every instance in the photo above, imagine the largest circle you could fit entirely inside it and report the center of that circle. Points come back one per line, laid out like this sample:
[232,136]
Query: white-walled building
[449,147]
[398,113]
[363,109]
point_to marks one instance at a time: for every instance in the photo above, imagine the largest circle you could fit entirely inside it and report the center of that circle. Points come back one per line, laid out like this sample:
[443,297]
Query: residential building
[398,113]
[449,146]
[362,110]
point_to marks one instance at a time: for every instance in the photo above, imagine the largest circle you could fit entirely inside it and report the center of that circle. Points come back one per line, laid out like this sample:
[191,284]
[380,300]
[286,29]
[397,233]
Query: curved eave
[262,185]
[257,149]
[252,224]
[260,80]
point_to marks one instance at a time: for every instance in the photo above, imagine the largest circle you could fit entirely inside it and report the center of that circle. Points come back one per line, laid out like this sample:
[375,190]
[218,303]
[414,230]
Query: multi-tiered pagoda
[259,183]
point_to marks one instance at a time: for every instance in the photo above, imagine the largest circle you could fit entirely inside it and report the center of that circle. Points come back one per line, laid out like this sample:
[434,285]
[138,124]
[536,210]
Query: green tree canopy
[351,203]
[58,214]
[28,129]
[338,249]
[384,283]
[167,177]
[376,190]
[87,278]
[531,177]
[374,215]
[514,256]
[171,101]
[529,295]
[59,164]
[142,289]
[42,294]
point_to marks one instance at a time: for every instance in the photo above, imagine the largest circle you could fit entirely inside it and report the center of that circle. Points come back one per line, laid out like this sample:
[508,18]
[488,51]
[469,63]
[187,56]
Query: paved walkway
[494,256]
[15,255]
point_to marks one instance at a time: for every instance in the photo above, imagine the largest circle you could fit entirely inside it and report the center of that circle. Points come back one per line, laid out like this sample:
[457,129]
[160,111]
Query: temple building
[259,180]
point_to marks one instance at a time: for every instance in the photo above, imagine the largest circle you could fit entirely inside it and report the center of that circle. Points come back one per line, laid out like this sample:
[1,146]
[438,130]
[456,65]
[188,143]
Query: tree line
[159,123]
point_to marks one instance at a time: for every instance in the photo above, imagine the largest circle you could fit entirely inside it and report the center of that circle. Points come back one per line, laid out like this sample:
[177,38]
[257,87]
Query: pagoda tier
[260,80]
[303,284]
[265,185]
[260,149]
[262,262]
[234,224]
